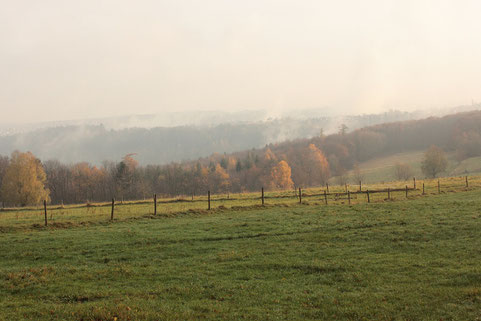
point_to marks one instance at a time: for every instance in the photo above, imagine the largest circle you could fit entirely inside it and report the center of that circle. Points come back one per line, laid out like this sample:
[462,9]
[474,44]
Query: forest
[95,143]
[296,163]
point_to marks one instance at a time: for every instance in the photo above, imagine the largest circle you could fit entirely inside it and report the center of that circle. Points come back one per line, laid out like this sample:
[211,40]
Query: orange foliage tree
[280,177]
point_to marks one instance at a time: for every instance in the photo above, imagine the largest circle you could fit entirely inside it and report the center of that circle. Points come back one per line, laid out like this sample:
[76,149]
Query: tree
[125,175]
[403,171]
[4,161]
[24,180]
[280,177]
[219,179]
[357,174]
[434,162]
[59,181]
[343,129]
[224,163]
[238,166]
[316,166]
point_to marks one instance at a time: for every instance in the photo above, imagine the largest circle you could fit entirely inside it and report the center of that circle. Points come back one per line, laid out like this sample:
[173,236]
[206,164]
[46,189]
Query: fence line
[297,194]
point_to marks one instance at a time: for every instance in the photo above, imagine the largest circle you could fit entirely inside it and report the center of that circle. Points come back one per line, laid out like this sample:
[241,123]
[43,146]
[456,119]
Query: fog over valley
[168,137]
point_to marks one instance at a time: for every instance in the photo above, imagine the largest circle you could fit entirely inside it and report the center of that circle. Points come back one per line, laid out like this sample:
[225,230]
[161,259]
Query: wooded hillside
[302,162]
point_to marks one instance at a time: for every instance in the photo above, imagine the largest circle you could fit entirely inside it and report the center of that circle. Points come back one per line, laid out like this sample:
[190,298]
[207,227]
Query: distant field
[382,169]
[408,259]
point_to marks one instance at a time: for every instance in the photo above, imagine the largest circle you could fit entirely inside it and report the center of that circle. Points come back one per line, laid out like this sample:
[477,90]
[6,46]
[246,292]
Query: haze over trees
[162,145]
[297,163]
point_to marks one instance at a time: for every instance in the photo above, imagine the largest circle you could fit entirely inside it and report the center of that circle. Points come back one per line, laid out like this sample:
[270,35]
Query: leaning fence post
[325,197]
[155,204]
[208,200]
[45,210]
[112,213]
[263,196]
[300,195]
[368,199]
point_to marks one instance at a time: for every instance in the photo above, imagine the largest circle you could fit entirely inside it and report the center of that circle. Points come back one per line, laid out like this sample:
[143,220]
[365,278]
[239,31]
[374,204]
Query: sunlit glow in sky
[92,58]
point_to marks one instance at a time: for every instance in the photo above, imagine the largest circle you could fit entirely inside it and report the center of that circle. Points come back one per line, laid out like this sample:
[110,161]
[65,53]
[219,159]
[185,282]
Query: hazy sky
[63,59]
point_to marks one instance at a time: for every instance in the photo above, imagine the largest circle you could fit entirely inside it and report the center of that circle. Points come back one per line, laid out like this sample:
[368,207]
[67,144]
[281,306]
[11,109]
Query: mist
[95,59]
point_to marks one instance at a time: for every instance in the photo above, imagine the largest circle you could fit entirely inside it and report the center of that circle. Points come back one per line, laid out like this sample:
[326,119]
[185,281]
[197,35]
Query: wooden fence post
[325,197]
[368,199]
[112,213]
[327,187]
[208,200]
[423,188]
[300,195]
[439,187]
[45,210]
[388,193]
[349,197]
[414,180]
[263,196]
[345,187]
[467,185]
[155,204]
[360,186]
[406,191]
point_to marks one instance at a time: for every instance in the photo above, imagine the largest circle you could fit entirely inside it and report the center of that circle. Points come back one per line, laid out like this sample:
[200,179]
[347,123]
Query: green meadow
[415,258]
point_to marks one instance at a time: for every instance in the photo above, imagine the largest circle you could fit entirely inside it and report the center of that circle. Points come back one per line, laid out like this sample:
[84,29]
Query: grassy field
[382,168]
[407,259]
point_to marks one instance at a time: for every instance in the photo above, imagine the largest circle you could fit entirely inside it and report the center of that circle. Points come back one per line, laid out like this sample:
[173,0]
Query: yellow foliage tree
[269,155]
[317,166]
[219,179]
[24,181]
[280,177]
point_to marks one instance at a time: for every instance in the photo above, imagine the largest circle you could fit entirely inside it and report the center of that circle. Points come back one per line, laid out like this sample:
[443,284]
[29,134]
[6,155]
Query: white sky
[64,59]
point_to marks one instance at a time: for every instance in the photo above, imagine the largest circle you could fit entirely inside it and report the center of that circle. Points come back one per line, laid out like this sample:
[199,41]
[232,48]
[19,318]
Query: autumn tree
[403,171]
[4,161]
[434,162]
[59,181]
[200,177]
[125,176]
[316,166]
[280,177]
[219,179]
[24,180]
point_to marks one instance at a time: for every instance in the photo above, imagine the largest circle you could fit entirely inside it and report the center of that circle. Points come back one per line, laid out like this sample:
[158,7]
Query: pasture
[414,258]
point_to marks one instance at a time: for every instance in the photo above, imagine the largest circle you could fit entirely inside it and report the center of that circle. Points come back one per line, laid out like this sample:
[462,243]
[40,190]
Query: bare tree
[403,171]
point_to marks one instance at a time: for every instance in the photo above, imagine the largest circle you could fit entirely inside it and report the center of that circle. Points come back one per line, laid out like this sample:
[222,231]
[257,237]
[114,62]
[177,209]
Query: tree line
[302,163]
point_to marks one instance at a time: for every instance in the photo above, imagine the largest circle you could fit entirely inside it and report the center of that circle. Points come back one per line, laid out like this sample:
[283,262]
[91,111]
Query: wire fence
[161,207]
